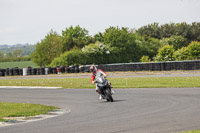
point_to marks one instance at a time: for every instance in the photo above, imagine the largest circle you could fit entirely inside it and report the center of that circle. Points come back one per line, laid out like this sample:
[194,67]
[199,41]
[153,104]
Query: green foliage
[73,57]
[48,49]
[123,45]
[17,53]
[182,54]
[145,59]
[194,50]
[151,30]
[97,53]
[9,55]
[191,32]
[1,54]
[166,53]
[195,31]
[118,45]
[74,37]
[148,46]
[8,50]
[177,41]
[76,57]
[99,37]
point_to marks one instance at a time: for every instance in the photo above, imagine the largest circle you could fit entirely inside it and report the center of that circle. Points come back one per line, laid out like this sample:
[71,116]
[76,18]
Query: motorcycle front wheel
[108,95]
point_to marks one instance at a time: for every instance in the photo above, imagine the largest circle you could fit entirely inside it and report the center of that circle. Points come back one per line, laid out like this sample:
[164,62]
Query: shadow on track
[113,101]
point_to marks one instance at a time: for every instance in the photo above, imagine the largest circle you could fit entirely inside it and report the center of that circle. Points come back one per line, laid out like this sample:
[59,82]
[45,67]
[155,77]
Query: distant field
[20,64]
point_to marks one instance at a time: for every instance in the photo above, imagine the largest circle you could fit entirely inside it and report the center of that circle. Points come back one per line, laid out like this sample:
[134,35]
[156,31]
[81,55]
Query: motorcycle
[104,87]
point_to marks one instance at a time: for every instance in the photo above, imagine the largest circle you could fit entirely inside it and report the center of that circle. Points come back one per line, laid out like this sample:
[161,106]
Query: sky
[29,21]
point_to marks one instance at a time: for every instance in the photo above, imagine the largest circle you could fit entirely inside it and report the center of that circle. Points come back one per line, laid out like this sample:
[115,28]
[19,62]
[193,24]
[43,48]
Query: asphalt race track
[142,110]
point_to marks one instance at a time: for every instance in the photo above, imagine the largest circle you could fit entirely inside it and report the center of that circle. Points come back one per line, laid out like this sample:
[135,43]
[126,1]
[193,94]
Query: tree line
[154,42]
[16,55]
[18,52]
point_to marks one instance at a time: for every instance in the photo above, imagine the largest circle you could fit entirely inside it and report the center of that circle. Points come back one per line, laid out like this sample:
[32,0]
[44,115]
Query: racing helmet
[93,69]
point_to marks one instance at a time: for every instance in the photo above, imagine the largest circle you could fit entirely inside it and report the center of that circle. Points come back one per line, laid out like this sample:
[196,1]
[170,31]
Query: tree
[99,37]
[98,53]
[1,54]
[9,54]
[148,46]
[46,50]
[166,53]
[195,31]
[123,45]
[17,53]
[177,41]
[145,59]
[72,57]
[75,37]
[191,32]
[151,30]
[194,50]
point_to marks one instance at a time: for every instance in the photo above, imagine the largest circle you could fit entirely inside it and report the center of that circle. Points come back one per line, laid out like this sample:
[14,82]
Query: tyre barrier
[33,71]
[50,70]
[43,71]
[58,70]
[71,69]
[11,72]
[37,71]
[151,66]
[67,69]
[2,72]
[76,69]
[29,71]
[15,71]
[54,70]
[7,72]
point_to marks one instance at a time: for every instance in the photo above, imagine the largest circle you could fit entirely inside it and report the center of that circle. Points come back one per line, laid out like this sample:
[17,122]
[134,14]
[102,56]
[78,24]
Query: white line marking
[22,120]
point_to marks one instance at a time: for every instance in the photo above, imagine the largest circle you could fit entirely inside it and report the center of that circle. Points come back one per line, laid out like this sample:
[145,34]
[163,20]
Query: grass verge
[133,82]
[22,109]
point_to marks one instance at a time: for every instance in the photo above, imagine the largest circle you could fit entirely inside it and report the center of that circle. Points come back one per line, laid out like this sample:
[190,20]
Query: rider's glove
[92,82]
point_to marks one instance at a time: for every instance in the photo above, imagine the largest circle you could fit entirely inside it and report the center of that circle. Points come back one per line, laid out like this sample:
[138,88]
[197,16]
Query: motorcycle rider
[94,70]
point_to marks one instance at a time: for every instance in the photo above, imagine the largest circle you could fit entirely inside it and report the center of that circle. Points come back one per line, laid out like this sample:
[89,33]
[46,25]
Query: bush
[194,50]
[166,53]
[177,41]
[73,57]
[181,54]
[145,59]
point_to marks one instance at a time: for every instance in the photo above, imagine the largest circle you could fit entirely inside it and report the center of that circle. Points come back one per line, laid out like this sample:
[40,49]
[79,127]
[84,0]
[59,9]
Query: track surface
[144,110]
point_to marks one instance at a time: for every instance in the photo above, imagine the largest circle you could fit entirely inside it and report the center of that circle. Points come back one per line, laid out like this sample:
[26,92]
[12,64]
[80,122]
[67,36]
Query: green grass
[22,109]
[193,131]
[134,82]
[19,64]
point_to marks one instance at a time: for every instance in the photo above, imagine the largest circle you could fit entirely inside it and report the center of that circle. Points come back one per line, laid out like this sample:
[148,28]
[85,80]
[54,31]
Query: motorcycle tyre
[109,96]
